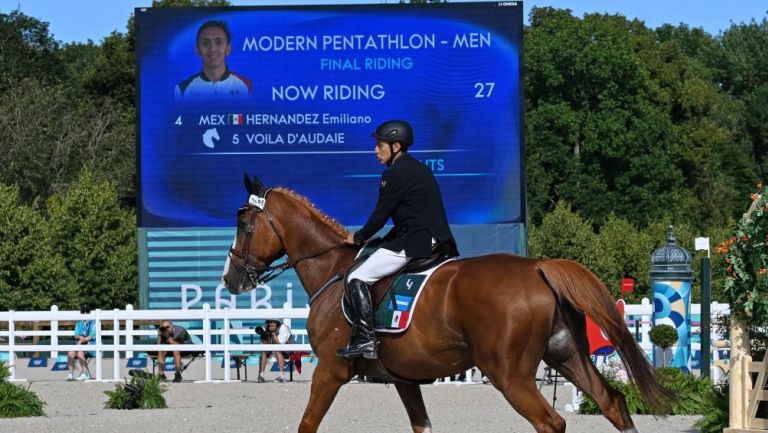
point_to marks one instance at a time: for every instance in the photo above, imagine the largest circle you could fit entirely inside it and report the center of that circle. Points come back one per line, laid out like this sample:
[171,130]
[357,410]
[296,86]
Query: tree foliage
[81,248]
[746,260]
[32,275]
[28,51]
[623,120]
[97,240]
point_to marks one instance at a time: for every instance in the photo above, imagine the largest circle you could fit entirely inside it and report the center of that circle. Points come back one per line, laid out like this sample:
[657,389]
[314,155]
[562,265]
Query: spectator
[275,333]
[168,333]
[85,333]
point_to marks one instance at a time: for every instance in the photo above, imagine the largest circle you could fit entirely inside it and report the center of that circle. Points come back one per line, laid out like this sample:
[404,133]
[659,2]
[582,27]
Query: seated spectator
[275,333]
[85,333]
[168,333]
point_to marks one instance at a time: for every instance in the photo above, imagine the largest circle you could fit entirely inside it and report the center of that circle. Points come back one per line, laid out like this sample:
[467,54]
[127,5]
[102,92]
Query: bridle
[260,273]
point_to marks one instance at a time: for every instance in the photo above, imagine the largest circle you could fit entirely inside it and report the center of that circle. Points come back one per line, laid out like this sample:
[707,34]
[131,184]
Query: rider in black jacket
[409,194]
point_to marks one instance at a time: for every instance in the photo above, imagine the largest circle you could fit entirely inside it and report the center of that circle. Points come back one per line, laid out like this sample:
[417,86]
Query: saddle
[391,310]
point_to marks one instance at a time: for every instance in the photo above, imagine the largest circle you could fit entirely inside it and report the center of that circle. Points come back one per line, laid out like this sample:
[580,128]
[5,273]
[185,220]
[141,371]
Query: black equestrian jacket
[409,194]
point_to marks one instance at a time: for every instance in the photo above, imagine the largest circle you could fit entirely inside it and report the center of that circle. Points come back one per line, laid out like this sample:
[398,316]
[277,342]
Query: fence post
[226,345]
[129,331]
[738,385]
[116,345]
[11,346]
[645,321]
[288,302]
[207,340]
[54,331]
[98,344]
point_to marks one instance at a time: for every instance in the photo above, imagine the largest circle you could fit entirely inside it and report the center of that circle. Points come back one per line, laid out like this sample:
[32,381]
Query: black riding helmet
[393,131]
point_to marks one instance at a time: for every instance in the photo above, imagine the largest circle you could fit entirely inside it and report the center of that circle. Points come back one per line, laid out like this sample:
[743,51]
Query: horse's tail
[587,294]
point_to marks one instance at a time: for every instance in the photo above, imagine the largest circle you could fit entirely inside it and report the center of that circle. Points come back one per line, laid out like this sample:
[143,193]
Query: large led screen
[304,87]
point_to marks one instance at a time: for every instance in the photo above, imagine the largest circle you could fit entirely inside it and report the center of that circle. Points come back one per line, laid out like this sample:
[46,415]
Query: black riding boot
[363,341]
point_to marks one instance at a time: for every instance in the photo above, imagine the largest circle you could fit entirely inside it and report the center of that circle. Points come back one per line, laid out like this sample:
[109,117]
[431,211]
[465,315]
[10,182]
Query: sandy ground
[278,407]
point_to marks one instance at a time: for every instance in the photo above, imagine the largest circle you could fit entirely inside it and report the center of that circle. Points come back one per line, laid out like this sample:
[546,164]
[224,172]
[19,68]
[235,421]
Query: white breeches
[382,263]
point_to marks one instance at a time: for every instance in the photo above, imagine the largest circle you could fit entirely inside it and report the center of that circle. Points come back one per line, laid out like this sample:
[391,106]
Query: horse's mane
[338,228]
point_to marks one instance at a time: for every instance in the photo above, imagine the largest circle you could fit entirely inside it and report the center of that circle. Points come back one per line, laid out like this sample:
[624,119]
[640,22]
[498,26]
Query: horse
[500,312]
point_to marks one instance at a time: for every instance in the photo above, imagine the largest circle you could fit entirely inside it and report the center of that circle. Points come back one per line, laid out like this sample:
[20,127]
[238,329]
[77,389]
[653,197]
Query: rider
[408,194]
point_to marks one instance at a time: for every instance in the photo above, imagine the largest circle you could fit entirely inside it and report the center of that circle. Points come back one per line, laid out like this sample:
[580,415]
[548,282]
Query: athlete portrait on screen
[213,45]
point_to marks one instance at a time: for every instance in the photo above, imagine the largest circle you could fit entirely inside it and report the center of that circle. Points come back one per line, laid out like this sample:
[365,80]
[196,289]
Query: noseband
[261,273]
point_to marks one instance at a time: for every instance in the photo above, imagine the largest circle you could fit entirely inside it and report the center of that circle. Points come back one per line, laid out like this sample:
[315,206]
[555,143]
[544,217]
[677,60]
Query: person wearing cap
[410,196]
[275,333]
[85,333]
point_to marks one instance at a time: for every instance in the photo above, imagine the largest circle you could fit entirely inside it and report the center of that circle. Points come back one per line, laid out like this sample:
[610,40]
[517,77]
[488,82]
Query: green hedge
[15,401]
[691,394]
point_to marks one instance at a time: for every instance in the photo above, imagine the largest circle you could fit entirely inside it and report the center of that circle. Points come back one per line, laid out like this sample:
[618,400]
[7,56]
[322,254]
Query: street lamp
[702,244]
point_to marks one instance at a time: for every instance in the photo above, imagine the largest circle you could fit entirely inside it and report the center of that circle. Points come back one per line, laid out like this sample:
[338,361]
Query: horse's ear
[257,185]
[248,184]
[253,186]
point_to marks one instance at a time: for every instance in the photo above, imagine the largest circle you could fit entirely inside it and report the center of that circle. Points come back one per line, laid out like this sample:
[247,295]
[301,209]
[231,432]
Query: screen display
[292,95]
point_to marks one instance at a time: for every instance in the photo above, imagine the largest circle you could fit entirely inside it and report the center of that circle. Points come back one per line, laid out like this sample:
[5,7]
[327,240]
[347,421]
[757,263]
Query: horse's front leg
[326,381]
[414,405]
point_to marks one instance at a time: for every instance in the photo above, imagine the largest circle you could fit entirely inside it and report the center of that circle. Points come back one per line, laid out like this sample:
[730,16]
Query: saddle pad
[395,311]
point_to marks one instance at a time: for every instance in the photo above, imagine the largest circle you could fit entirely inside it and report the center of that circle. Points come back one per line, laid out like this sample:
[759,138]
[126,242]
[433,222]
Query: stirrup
[368,350]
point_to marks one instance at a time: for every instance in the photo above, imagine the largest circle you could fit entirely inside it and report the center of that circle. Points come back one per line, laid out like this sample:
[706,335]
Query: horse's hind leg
[566,354]
[525,397]
[414,405]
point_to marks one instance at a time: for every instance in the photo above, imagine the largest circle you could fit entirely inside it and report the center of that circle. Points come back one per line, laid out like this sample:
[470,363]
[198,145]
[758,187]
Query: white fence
[217,325]
[122,337]
[640,328]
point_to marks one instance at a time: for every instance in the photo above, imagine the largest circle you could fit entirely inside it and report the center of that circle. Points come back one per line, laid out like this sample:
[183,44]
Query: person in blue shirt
[85,333]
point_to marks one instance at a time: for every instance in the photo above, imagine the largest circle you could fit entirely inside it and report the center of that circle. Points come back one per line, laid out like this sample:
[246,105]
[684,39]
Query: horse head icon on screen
[209,136]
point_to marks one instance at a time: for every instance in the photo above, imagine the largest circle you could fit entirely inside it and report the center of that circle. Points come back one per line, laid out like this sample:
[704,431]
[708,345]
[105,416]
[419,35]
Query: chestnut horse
[499,312]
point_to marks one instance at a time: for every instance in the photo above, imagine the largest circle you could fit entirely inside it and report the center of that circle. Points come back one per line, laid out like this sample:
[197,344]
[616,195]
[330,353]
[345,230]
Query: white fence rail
[217,325]
[123,336]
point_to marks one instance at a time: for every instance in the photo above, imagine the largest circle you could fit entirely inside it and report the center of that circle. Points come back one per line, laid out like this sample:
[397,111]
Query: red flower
[744,238]
[760,185]
[762,271]
[730,269]
[754,196]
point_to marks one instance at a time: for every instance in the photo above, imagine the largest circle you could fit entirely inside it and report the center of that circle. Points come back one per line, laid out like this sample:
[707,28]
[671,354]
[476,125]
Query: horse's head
[257,243]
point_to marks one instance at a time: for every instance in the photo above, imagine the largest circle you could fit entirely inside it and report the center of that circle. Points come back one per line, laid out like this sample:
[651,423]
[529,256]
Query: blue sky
[80,20]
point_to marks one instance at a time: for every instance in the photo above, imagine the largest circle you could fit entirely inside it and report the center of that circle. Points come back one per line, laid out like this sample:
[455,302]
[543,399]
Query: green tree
[28,51]
[745,57]
[563,234]
[32,274]
[112,74]
[622,252]
[625,120]
[51,134]
[97,239]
